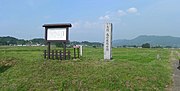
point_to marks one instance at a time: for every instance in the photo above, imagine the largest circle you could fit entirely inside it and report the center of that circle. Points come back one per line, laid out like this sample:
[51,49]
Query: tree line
[12,41]
[145,45]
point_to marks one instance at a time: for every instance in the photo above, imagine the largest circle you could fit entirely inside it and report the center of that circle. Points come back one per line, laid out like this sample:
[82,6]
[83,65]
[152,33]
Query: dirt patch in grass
[5,64]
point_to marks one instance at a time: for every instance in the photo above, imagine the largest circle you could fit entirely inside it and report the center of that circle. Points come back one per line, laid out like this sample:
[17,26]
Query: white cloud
[121,13]
[132,10]
[114,15]
[106,17]
[86,25]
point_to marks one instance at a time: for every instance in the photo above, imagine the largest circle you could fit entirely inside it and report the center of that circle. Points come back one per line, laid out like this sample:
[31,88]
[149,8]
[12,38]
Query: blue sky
[130,18]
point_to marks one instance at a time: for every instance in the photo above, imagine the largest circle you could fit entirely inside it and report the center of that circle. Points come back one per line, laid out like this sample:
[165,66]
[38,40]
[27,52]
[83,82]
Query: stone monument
[108,42]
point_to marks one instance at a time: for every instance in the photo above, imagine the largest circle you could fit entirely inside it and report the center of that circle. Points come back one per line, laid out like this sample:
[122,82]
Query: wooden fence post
[52,54]
[60,55]
[78,52]
[56,54]
[69,56]
[44,54]
[75,53]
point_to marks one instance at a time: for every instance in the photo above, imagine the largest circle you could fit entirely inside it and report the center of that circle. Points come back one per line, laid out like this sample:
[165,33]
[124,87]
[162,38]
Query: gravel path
[176,74]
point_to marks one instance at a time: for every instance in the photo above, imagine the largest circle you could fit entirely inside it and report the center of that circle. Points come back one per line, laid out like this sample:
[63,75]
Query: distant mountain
[153,40]
[8,40]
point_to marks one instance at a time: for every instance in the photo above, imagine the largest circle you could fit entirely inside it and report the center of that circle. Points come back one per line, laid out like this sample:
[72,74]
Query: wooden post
[60,55]
[69,56]
[52,54]
[78,52]
[49,48]
[64,52]
[179,65]
[75,53]
[44,54]
[56,54]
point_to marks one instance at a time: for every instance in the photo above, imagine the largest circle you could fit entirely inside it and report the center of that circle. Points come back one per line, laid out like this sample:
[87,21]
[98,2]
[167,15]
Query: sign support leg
[49,49]
[64,52]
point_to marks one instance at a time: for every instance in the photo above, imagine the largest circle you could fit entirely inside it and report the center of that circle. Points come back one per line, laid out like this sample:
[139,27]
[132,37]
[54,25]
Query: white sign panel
[108,42]
[56,34]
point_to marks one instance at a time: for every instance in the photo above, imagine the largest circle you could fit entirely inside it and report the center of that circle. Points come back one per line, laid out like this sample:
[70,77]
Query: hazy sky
[130,18]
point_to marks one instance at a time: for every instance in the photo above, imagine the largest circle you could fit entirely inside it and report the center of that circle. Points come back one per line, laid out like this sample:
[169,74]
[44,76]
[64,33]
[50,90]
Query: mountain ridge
[151,39]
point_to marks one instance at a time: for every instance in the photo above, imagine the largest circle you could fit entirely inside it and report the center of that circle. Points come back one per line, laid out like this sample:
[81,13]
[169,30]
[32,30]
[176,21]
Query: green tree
[59,44]
[146,45]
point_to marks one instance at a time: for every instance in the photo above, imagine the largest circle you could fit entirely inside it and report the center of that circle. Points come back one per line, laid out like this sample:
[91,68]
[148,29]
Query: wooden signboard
[57,33]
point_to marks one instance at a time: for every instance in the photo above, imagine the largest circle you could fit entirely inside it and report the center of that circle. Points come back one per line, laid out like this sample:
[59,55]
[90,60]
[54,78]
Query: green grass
[23,68]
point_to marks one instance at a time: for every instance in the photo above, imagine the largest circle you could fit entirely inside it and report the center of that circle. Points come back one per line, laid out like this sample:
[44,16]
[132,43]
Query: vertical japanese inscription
[108,41]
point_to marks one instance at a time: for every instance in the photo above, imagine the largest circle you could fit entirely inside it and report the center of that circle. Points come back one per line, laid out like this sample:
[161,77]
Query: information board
[56,34]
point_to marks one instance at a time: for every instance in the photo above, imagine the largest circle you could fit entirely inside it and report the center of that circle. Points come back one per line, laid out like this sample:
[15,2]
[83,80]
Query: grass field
[23,68]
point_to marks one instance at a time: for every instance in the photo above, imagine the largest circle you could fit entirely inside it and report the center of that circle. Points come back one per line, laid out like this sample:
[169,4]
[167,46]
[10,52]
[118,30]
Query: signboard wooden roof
[57,25]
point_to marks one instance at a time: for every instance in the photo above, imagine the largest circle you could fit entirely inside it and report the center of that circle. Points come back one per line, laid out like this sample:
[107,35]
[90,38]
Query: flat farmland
[24,68]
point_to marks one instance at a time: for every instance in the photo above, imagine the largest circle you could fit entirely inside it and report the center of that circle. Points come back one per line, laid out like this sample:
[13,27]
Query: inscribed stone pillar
[108,42]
